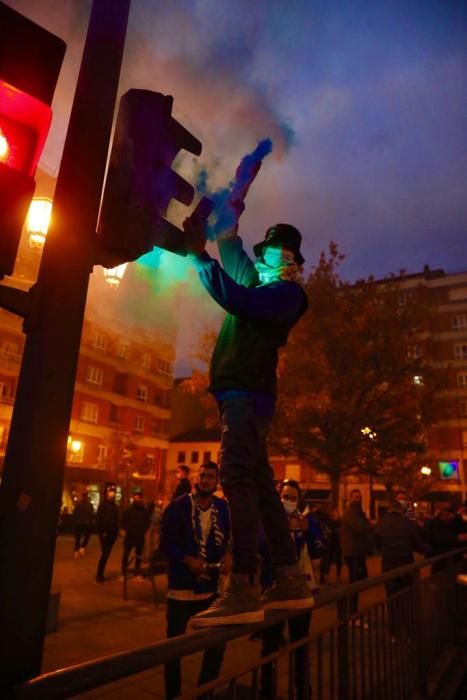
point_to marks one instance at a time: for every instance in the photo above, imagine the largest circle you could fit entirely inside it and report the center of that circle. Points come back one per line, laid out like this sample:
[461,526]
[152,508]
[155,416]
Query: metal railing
[394,649]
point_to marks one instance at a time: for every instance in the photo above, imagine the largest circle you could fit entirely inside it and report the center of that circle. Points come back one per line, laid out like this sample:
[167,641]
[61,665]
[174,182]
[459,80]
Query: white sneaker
[121,579]
[76,554]
[82,551]
[138,579]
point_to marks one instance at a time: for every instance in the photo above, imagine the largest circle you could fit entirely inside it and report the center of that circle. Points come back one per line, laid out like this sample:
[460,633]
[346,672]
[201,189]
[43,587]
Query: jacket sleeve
[282,302]
[170,534]
[236,262]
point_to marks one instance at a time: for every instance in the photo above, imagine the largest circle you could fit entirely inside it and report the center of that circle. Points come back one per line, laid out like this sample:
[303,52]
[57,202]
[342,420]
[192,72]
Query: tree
[351,365]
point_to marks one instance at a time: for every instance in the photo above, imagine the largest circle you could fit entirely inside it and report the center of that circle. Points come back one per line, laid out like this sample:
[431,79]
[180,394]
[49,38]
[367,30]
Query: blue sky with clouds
[365,101]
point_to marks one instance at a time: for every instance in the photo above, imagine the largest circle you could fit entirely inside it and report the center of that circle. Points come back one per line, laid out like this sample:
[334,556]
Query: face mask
[290,507]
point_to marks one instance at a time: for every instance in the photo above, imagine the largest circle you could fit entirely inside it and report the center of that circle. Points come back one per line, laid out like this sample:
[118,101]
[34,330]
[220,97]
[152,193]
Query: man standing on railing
[263,300]
[195,535]
[355,541]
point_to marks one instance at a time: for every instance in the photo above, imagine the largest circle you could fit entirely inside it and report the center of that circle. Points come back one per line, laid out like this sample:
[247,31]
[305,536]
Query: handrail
[92,674]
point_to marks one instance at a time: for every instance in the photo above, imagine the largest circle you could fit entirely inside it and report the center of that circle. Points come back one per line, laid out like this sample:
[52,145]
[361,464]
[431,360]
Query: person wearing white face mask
[306,535]
[263,301]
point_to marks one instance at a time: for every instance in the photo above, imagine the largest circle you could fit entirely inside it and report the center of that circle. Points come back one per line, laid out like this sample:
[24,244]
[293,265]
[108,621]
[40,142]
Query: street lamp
[426,471]
[40,211]
[114,275]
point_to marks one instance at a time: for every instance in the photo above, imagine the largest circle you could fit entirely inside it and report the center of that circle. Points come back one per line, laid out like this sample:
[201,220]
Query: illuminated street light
[38,221]
[4,148]
[114,275]
[426,471]
[368,432]
[74,445]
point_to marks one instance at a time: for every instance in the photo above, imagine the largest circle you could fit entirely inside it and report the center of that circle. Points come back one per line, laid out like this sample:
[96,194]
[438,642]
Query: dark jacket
[83,513]
[178,539]
[107,517]
[136,521]
[183,486]
[398,537]
[259,319]
[355,531]
[441,536]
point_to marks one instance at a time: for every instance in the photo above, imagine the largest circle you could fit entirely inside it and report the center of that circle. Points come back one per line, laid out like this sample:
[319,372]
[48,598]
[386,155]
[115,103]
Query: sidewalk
[95,621]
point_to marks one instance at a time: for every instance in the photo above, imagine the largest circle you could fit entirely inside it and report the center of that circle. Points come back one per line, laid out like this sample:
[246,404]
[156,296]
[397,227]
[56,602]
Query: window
[94,375]
[206,456]
[414,351]
[181,457]
[462,380]
[113,413]
[101,453]
[89,412]
[164,367]
[195,457]
[123,350]
[142,393]
[459,294]
[9,347]
[459,322]
[6,392]
[139,424]
[146,361]
[460,351]
[406,298]
[99,341]
[463,408]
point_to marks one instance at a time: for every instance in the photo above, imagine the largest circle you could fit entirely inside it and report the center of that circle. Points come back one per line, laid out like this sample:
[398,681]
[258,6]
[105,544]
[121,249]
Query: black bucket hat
[282,235]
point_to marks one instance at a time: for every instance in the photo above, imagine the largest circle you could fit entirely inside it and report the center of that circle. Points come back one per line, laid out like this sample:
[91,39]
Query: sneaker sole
[240,619]
[293,604]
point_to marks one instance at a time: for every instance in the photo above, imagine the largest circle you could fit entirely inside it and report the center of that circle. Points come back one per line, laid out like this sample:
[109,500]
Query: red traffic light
[24,124]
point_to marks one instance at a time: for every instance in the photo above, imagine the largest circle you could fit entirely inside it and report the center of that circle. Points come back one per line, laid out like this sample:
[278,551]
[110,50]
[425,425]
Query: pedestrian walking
[134,523]
[194,537]
[355,542]
[407,507]
[263,301]
[107,527]
[83,516]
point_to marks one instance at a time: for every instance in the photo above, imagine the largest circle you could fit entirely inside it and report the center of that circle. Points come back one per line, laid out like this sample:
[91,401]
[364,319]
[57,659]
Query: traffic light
[449,470]
[140,181]
[30,62]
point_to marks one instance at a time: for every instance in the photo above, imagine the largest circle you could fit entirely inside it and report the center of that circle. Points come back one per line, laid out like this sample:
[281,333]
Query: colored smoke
[222,218]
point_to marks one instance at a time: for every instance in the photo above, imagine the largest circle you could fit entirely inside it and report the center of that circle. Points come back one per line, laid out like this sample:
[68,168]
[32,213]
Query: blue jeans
[248,483]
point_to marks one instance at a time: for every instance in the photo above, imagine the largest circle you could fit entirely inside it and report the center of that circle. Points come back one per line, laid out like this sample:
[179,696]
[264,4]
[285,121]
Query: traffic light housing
[30,62]
[140,182]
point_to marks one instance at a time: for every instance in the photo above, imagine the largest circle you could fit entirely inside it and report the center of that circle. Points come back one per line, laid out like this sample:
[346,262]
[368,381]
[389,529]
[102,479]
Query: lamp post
[371,435]
[40,212]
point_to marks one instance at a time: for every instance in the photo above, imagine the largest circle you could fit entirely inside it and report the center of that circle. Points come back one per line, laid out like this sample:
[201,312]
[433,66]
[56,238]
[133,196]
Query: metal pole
[31,490]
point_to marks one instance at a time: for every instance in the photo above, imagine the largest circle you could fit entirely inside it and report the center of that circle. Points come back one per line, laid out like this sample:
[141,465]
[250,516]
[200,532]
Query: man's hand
[195,236]
[195,564]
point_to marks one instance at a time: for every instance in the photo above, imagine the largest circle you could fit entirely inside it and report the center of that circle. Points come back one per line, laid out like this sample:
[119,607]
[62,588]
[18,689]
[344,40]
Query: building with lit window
[120,415]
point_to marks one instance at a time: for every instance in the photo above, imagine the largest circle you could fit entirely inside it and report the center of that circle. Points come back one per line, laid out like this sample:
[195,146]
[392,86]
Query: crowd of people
[194,534]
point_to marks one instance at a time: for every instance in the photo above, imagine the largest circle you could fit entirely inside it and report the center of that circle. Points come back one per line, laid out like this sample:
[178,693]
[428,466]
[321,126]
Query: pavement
[95,621]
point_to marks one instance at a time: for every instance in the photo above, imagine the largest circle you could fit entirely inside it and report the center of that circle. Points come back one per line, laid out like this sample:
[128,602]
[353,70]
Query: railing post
[343,648]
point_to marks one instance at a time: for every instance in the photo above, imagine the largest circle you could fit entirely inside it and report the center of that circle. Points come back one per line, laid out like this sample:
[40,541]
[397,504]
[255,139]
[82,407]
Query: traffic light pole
[31,489]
